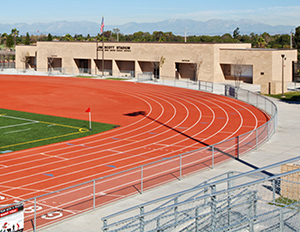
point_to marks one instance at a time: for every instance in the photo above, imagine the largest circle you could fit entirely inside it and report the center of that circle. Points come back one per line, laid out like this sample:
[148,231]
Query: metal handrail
[199,198]
[209,184]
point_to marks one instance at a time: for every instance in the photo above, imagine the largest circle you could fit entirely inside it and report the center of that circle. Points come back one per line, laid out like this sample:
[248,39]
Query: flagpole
[96,72]
[103,56]
[102,31]
[90,119]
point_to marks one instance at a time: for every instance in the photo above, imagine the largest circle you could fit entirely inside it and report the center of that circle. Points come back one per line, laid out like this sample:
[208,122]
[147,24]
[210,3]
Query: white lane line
[93,141]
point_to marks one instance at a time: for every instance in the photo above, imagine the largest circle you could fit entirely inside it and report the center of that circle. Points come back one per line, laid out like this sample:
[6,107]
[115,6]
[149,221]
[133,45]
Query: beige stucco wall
[172,52]
[267,63]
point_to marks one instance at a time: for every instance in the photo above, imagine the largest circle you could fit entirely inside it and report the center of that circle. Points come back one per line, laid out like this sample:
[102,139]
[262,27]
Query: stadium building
[215,62]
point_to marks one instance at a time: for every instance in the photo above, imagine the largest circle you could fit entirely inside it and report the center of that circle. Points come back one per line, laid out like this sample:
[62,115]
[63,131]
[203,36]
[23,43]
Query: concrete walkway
[283,145]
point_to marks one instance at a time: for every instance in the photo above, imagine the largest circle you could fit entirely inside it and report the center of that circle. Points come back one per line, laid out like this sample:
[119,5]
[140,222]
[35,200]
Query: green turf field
[22,130]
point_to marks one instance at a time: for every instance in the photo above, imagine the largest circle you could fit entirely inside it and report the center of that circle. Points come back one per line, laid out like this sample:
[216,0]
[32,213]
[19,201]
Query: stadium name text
[114,48]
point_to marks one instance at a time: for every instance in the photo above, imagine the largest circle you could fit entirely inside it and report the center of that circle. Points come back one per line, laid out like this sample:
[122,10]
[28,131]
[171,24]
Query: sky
[117,12]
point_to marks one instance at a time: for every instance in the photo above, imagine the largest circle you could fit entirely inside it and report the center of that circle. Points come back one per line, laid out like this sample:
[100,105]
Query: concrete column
[115,68]
[93,67]
[137,68]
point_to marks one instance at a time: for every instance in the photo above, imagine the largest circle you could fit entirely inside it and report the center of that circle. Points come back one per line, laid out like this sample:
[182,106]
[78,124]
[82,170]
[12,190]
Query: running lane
[156,122]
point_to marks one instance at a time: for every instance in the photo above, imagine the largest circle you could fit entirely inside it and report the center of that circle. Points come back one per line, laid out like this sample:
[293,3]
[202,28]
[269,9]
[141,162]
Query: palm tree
[4,37]
[15,33]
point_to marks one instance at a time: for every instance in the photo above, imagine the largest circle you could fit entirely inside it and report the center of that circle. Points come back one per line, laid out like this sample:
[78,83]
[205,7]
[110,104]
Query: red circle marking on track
[176,120]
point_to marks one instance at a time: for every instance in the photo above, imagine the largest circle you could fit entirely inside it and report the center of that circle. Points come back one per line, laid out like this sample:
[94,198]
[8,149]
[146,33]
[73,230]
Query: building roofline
[144,42]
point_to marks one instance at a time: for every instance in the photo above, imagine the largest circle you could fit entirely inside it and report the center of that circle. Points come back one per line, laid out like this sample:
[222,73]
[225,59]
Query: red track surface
[156,122]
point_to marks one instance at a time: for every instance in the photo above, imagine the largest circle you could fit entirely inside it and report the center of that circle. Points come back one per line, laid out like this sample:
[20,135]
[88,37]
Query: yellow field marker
[39,140]
[73,127]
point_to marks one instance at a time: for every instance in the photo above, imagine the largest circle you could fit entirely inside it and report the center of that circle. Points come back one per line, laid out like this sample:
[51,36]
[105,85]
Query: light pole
[185,34]
[291,39]
[282,85]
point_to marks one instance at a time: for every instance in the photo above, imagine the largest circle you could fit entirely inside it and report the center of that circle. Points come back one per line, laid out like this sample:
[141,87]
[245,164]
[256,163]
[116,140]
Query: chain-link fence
[55,206]
[257,200]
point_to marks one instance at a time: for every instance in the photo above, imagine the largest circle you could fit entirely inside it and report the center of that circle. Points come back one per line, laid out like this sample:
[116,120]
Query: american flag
[102,25]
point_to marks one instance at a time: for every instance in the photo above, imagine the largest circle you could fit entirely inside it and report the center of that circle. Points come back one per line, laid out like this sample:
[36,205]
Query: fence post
[142,179]
[94,195]
[196,219]
[255,204]
[238,146]
[180,167]
[268,130]
[248,96]
[213,209]
[274,190]
[157,223]
[281,222]
[256,100]
[229,185]
[34,228]
[176,211]
[251,226]
[212,157]
[256,139]
[142,222]
[105,224]
[265,104]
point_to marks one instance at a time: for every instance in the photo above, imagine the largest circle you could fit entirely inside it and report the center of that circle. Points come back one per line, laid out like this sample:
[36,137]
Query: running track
[156,122]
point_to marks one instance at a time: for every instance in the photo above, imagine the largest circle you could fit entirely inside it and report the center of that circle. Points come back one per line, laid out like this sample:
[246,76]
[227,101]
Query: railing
[250,201]
[5,65]
[52,207]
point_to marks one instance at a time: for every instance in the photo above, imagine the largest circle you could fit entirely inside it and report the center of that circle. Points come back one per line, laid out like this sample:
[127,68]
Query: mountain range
[175,25]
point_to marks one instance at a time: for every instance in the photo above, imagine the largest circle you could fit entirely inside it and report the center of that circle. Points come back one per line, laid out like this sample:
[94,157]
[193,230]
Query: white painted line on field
[22,124]
[16,131]
[24,119]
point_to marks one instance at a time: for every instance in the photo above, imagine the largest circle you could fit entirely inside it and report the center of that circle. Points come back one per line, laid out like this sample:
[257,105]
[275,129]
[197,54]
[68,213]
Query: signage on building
[110,48]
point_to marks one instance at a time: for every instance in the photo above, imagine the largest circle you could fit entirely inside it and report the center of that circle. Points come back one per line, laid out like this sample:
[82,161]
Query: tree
[267,37]
[157,36]
[49,38]
[196,68]
[238,69]
[67,37]
[4,38]
[236,33]
[27,39]
[24,58]
[297,38]
[9,41]
[227,38]
[261,42]
[15,34]
[283,40]
[115,34]
[157,65]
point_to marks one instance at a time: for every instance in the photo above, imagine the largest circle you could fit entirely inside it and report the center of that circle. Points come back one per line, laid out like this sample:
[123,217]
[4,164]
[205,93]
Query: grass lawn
[22,130]
[117,78]
[87,76]
[289,96]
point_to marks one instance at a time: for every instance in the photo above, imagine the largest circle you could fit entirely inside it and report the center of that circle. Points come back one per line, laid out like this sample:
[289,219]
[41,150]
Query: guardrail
[248,201]
[52,207]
